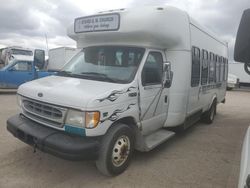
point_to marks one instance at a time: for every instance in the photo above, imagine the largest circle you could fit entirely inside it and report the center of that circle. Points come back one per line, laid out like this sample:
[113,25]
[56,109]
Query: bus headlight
[75,118]
[82,119]
[19,100]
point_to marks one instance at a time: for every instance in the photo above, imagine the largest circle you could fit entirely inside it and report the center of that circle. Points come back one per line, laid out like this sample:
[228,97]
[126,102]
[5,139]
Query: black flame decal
[114,116]
[115,94]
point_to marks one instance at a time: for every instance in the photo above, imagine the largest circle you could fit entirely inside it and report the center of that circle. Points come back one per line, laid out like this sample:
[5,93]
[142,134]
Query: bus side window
[217,69]
[221,69]
[153,69]
[204,72]
[211,68]
[226,69]
[195,76]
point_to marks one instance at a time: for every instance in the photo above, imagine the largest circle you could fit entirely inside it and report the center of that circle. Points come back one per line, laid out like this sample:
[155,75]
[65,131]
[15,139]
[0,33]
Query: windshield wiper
[101,75]
[64,73]
[87,75]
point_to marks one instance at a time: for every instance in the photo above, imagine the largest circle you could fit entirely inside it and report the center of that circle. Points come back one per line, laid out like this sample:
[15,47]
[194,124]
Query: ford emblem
[40,95]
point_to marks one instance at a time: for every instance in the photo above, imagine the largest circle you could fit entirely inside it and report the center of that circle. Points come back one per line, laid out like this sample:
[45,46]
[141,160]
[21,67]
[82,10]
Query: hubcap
[121,151]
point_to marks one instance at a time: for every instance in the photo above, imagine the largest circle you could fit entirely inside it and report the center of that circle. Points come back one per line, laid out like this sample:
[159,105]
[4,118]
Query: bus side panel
[207,90]
[179,90]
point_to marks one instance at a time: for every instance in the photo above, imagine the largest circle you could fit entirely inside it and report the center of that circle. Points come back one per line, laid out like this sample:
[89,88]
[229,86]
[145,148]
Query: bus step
[157,138]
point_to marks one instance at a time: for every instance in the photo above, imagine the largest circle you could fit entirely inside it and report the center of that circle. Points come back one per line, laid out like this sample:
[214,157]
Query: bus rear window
[21,52]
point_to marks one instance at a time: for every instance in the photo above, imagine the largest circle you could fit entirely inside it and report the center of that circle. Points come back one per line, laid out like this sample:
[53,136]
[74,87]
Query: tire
[210,114]
[116,150]
[247,68]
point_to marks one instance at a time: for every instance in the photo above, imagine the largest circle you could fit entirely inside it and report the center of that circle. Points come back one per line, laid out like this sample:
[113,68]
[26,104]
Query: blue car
[19,71]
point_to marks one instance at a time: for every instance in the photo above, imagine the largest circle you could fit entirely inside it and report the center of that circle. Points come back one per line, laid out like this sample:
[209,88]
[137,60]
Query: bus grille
[44,113]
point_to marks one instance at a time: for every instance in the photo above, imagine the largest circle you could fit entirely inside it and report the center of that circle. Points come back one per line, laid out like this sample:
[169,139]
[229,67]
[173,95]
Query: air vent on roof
[114,10]
[160,8]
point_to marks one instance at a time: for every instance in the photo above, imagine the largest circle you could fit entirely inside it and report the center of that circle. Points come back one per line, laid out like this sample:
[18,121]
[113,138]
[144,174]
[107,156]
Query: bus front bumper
[52,141]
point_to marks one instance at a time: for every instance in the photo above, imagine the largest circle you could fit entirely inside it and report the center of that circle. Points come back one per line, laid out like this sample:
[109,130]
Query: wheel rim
[121,151]
[212,113]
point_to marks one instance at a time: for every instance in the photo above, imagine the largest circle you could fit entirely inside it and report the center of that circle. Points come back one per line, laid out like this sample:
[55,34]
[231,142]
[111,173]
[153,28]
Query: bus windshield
[116,64]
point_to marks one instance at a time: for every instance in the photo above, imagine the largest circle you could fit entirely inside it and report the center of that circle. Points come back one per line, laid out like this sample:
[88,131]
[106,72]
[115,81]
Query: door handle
[199,92]
[166,99]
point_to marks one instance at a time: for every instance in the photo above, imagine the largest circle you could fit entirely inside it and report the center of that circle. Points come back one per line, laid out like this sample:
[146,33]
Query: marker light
[92,119]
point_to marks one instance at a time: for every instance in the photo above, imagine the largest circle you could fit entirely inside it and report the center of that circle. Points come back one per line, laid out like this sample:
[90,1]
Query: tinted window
[21,52]
[211,67]
[226,70]
[22,66]
[217,68]
[195,76]
[39,58]
[221,69]
[152,70]
[204,71]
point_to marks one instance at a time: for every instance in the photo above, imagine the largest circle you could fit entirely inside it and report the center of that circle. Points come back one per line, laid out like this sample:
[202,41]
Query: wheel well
[214,99]
[130,121]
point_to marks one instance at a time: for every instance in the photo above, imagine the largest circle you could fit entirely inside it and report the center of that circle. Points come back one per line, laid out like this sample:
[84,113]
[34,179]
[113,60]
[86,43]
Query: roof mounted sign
[104,22]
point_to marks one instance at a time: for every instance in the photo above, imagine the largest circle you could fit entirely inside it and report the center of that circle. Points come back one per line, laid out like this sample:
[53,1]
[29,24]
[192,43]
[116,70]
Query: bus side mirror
[168,75]
[242,43]
[39,59]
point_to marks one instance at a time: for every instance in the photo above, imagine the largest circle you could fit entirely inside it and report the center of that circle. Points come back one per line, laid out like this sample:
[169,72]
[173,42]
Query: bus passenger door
[153,95]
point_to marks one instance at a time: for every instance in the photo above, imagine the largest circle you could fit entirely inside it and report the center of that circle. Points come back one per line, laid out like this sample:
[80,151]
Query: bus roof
[162,27]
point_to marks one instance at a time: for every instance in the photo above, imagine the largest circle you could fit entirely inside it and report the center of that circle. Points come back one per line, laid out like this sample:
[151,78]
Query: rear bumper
[52,141]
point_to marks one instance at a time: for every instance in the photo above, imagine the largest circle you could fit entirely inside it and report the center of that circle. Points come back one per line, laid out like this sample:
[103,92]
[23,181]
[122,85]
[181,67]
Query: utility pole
[46,38]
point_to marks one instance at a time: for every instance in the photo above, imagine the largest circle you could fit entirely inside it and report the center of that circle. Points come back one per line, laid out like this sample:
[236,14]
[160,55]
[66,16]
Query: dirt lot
[204,156]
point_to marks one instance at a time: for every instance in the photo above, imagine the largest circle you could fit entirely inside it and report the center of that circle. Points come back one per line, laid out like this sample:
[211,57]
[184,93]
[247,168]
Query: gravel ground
[206,156]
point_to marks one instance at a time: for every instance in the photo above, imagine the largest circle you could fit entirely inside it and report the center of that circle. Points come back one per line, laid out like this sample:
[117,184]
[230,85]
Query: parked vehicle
[58,57]
[232,82]
[242,54]
[129,83]
[237,69]
[10,53]
[244,179]
[20,70]
[1,61]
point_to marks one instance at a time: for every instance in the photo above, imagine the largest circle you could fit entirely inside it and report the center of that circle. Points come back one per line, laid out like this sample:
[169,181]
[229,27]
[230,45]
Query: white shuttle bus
[141,72]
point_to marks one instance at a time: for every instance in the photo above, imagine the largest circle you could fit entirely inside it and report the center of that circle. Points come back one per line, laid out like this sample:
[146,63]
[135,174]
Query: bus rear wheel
[210,114]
